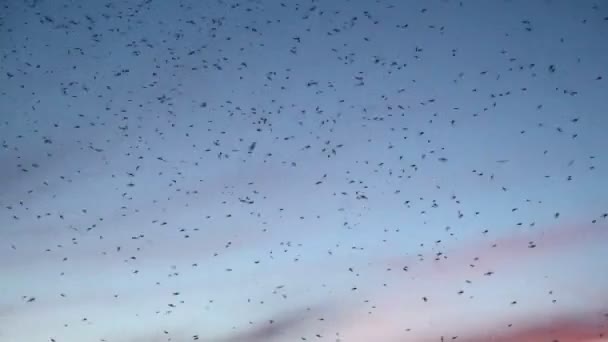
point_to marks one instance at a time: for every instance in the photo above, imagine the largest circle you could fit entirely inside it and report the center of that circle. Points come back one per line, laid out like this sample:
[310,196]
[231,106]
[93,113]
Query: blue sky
[280,171]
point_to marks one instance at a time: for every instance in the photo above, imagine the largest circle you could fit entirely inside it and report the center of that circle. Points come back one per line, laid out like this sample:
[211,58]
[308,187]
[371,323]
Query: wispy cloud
[274,329]
[574,328]
[485,254]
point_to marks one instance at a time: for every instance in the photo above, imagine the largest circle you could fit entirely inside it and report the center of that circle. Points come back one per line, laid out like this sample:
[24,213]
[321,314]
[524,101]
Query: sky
[347,170]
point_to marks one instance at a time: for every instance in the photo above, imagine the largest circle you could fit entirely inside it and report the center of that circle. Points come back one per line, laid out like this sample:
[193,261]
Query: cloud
[573,328]
[511,252]
[505,250]
[275,329]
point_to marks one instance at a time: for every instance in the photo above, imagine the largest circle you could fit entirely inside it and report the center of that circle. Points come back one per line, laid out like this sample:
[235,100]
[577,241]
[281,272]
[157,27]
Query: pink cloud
[488,253]
[577,328]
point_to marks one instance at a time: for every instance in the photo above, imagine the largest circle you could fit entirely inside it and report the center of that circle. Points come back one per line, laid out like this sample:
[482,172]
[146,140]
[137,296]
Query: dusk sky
[336,170]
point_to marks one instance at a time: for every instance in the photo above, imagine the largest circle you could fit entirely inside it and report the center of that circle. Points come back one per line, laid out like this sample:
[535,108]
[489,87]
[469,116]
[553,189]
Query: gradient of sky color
[342,170]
